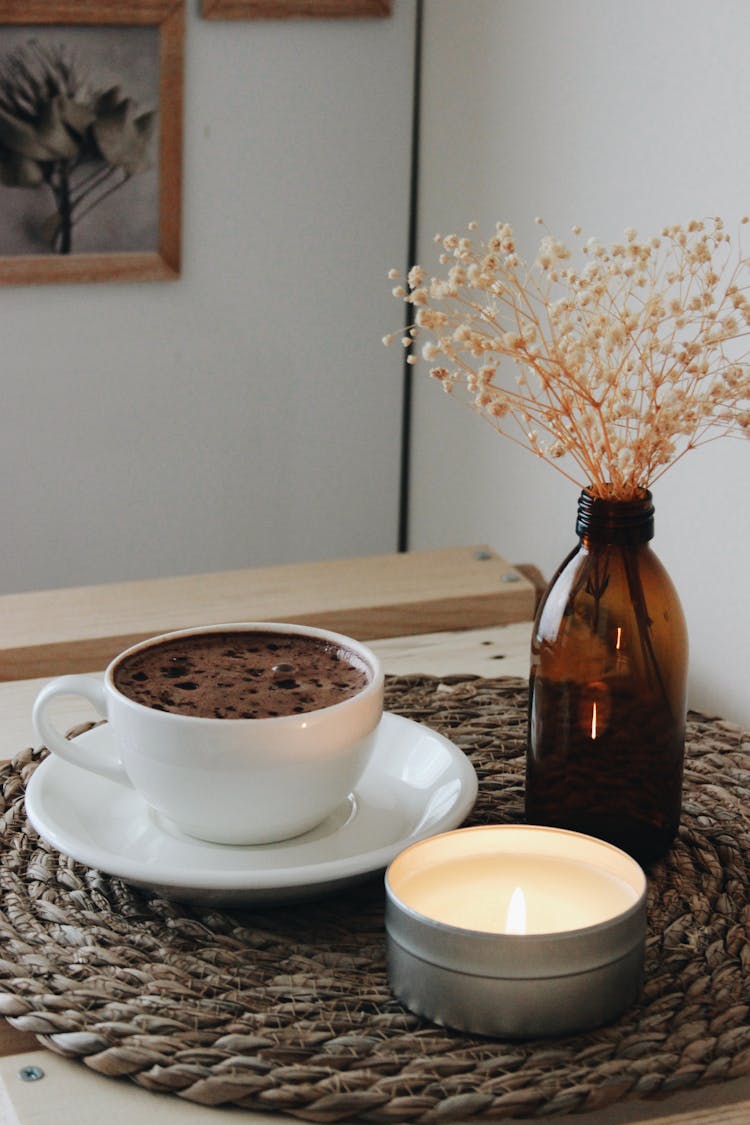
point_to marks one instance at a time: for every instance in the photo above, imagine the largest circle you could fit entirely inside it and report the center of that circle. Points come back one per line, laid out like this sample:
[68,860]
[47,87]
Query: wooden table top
[50,632]
[460,614]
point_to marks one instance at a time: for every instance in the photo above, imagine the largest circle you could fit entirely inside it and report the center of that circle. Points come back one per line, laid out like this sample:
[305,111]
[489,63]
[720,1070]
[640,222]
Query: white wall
[248,413]
[609,115]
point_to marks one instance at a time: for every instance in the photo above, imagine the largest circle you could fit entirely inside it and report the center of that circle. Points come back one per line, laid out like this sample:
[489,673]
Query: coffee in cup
[241,674]
[244,733]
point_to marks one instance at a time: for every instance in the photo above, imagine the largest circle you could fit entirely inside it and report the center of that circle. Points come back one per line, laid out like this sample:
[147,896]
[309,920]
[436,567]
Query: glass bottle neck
[620,522]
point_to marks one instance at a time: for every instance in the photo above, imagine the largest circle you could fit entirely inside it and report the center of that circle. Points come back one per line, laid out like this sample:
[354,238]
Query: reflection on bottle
[594,709]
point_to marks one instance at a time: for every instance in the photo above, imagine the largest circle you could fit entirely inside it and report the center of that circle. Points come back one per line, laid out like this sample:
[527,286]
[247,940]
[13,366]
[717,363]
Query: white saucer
[417,784]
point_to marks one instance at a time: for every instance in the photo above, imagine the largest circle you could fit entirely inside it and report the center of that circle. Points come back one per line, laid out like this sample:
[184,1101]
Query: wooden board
[57,631]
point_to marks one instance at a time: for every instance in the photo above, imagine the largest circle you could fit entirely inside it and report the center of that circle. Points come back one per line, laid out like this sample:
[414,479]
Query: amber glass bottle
[607,690]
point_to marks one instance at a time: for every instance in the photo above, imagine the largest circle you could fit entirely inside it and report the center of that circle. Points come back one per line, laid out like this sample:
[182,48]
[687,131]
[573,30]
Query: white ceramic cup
[230,781]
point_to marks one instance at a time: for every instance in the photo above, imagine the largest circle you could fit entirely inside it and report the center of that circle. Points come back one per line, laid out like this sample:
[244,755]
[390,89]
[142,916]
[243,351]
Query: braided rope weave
[288,1008]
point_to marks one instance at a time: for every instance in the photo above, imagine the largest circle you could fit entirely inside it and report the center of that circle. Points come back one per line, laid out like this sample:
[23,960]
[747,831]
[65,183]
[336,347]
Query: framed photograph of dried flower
[293,9]
[90,140]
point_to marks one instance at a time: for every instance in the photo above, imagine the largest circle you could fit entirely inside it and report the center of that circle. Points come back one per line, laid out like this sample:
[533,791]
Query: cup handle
[86,757]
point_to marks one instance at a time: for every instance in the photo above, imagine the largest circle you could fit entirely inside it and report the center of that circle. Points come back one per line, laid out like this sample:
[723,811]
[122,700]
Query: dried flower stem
[622,365]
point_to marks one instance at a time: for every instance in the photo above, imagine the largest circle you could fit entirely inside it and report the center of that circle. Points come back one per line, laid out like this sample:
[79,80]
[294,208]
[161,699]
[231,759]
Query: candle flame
[515,919]
[593,720]
[618,642]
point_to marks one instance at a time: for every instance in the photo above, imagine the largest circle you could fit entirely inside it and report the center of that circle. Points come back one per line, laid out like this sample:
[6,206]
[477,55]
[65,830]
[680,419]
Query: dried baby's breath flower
[623,363]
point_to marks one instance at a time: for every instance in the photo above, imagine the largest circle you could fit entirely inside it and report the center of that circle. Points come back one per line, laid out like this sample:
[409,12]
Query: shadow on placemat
[288,1008]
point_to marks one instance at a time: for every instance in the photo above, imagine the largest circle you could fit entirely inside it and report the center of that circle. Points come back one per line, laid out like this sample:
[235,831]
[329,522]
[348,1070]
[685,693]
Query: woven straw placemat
[288,1008]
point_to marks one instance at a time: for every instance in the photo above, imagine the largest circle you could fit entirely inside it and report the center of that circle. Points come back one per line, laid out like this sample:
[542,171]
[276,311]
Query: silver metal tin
[515,985]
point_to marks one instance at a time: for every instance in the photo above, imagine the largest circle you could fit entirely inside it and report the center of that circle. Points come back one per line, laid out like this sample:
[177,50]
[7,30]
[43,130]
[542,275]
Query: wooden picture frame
[91,104]
[293,9]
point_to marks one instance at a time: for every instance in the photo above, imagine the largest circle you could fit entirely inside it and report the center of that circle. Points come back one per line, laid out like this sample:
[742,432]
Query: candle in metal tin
[517,931]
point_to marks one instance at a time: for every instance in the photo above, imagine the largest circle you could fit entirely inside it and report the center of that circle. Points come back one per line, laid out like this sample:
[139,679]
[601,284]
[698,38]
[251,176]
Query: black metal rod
[406,395]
